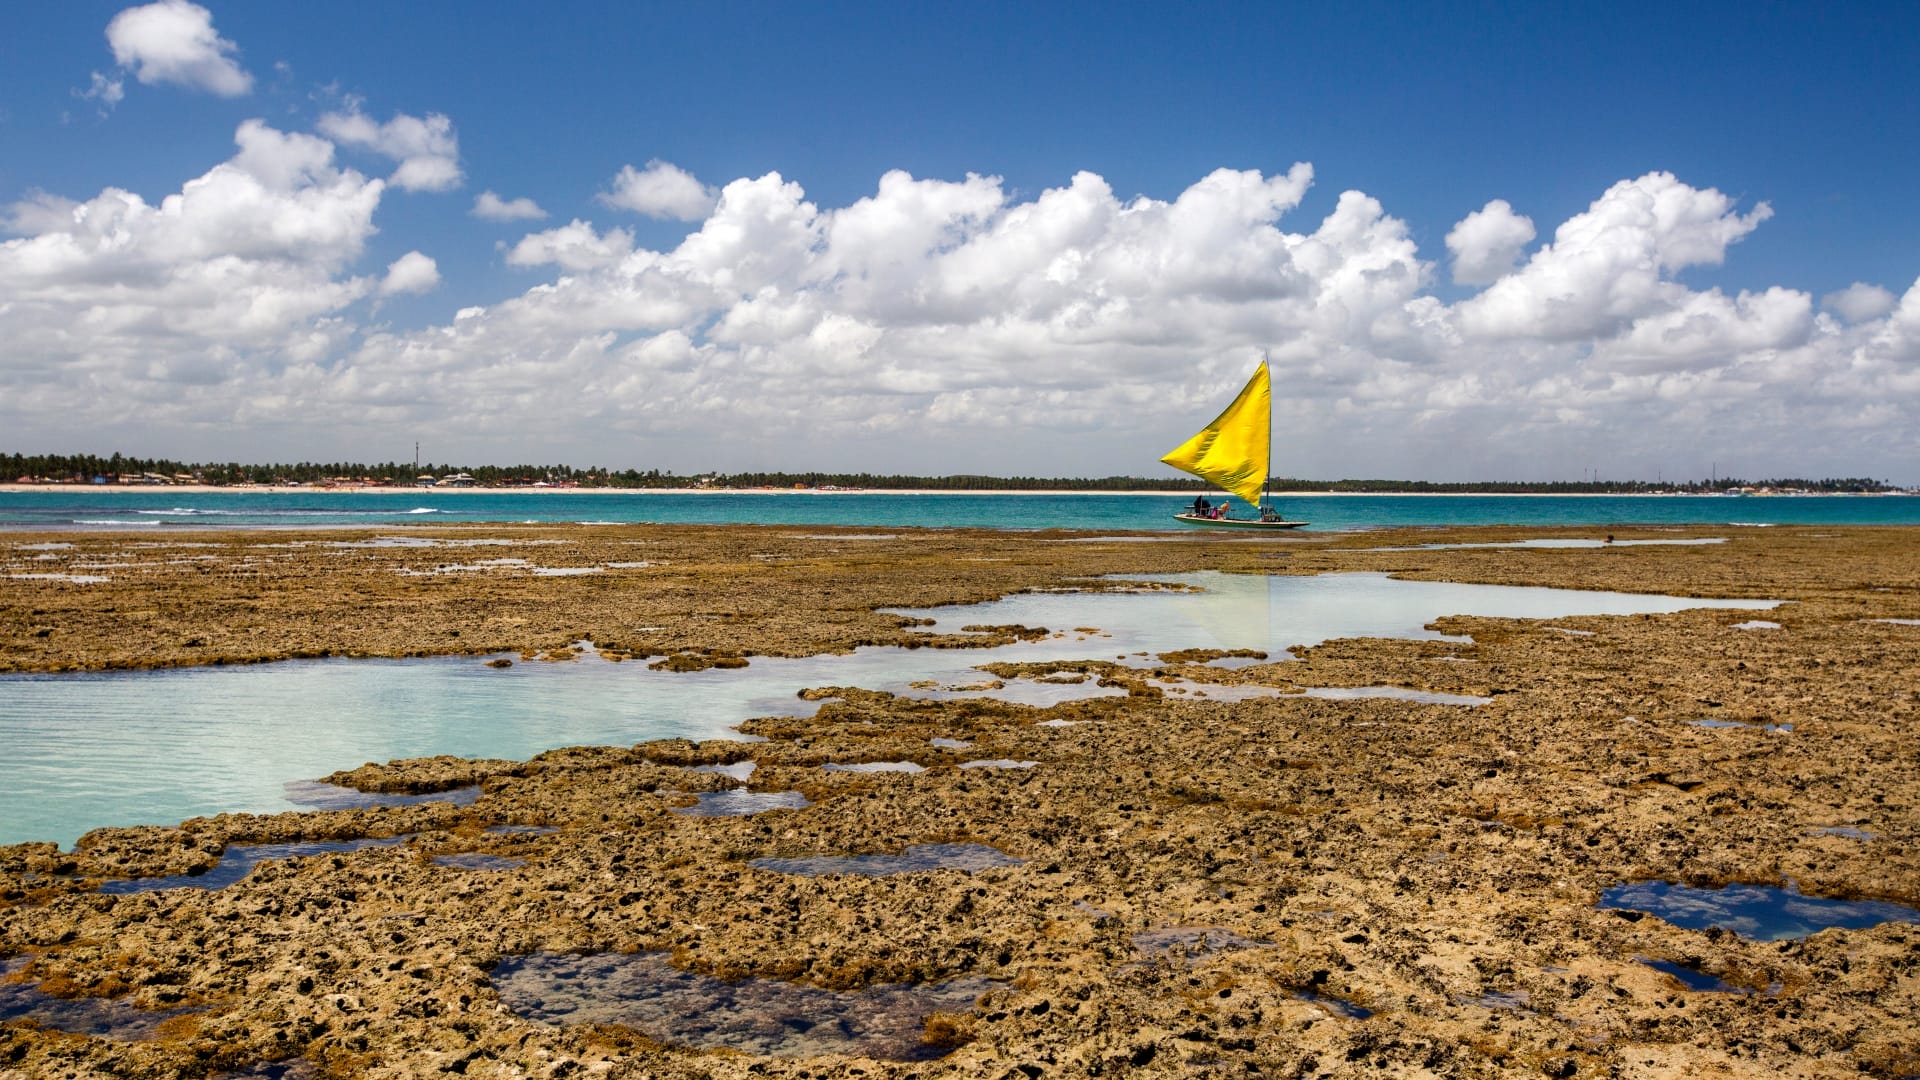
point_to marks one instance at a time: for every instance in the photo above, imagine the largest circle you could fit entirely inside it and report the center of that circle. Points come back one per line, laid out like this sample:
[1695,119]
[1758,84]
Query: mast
[1266,481]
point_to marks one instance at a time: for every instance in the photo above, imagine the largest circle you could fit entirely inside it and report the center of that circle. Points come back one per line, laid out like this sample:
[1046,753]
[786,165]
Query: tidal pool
[156,747]
[739,802]
[1340,1007]
[917,858]
[645,992]
[1755,912]
[239,860]
[477,860]
[314,795]
[1395,693]
[1691,979]
[81,1016]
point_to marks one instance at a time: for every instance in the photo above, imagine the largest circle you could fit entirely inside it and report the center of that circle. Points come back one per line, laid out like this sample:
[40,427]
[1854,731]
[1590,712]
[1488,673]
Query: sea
[85,508]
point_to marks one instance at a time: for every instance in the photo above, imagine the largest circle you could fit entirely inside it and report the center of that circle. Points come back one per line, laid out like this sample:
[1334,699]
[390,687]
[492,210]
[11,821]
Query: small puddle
[645,992]
[874,767]
[1340,1007]
[523,830]
[1755,912]
[1756,624]
[739,802]
[950,744]
[1397,693]
[1743,724]
[1557,544]
[315,795]
[1897,622]
[239,860]
[1842,830]
[997,763]
[1512,1001]
[101,1017]
[915,859]
[739,770]
[1696,980]
[475,860]
[1186,944]
[1570,632]
[1216,691]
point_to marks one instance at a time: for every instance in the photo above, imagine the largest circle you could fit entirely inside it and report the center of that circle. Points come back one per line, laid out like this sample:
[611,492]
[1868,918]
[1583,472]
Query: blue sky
[863,352]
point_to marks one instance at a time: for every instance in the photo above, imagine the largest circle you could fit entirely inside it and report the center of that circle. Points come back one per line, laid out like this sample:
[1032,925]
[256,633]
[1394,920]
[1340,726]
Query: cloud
[1486,242]
[107,91]
[573,246]
[1859,302]
[426,148]
[247,265]
[173,41]
[955,325]
[491,207]
[1612,263]
[661,190]
[411,273]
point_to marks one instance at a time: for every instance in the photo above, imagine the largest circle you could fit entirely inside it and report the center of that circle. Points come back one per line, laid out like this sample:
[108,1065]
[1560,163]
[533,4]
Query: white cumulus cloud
[956,325]
[1859,302]
[411,273]
[133,306]
[173,41]
[573,246]
[491,207]
[1612,263]
[1486,242]
[427,148]
[661,190]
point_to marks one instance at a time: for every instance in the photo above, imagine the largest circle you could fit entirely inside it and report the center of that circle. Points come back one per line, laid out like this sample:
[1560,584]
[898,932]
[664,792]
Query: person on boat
[1220,511]
[1201,506]
[1268,513]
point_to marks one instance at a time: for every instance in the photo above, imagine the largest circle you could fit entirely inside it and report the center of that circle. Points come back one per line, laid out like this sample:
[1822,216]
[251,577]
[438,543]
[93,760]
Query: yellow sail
[1232,451]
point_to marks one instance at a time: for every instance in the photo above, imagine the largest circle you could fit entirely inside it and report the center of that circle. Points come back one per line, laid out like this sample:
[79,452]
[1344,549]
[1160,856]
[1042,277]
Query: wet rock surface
[1435,868]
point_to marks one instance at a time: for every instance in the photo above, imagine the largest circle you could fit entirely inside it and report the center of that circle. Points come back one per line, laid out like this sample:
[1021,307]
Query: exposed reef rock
[1280,886]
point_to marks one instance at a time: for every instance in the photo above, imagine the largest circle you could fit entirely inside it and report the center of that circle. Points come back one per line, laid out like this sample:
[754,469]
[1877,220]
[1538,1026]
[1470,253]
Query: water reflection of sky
[156,747]
[1755,912]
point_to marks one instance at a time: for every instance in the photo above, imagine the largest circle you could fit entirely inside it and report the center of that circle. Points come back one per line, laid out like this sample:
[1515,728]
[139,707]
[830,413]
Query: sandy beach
[1186,884]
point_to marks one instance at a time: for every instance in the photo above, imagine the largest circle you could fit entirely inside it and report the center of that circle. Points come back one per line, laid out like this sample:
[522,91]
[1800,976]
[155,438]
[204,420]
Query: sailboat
[1233,453]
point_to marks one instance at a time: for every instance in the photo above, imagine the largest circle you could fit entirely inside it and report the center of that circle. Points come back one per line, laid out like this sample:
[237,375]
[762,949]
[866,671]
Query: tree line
[116,468]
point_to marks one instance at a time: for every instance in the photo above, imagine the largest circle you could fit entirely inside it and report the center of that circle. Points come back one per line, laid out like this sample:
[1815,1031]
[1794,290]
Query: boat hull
[1234,523]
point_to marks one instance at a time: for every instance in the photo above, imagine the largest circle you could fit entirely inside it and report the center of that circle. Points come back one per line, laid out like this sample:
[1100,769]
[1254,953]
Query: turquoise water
[156,747]
[159,509]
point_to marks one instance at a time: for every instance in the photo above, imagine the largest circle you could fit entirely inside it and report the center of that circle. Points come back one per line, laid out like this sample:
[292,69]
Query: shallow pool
[156,747]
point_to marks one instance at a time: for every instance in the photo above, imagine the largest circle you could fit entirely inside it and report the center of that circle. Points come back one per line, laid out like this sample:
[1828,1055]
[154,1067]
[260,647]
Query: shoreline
[209,489]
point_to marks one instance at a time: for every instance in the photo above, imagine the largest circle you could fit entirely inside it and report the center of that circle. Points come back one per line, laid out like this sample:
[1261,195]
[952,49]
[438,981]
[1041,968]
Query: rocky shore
[1280,886]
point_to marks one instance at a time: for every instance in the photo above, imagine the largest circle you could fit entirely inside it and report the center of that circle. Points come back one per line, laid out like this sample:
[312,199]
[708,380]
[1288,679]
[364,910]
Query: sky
[1474,242]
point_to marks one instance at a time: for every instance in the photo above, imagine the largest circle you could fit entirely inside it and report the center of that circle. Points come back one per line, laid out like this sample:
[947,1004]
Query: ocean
[68,508]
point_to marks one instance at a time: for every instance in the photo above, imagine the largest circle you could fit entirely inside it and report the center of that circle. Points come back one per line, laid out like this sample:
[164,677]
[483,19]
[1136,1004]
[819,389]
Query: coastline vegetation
[119,469]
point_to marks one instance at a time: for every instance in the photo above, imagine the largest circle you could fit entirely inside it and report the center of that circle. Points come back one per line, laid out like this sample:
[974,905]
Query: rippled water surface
[156,747]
